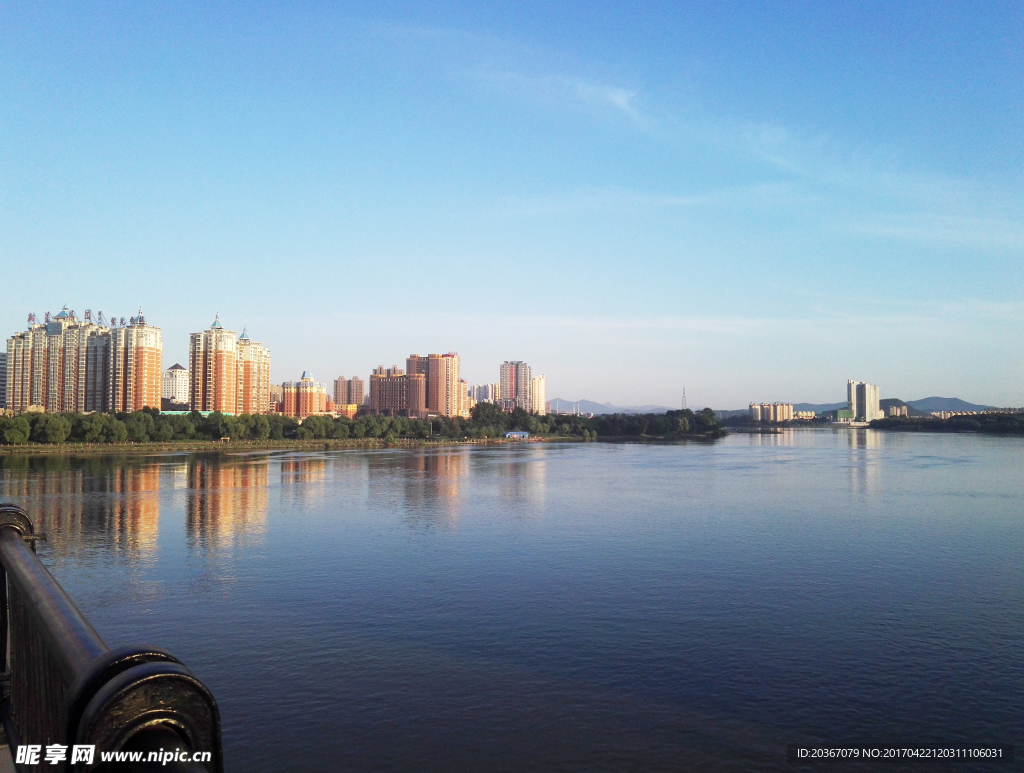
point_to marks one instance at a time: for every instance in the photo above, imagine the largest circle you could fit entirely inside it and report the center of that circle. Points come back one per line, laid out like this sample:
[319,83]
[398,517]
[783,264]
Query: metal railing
[64,686]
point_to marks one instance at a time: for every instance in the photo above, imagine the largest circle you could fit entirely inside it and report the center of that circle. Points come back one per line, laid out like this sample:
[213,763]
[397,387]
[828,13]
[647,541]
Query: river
[562,606]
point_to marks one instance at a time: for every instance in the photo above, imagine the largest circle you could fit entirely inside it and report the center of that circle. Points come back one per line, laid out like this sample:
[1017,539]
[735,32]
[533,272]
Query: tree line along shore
[150,426]
[989,423]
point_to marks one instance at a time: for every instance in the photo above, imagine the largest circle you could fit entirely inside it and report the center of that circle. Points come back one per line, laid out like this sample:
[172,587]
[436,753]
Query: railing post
[67,687]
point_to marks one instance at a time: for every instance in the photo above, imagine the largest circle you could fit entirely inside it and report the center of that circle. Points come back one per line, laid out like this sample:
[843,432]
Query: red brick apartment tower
[136,366]
[213,370]
[304,398]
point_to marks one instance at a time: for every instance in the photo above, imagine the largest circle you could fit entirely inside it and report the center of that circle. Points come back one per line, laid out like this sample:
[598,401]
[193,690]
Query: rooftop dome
[216,322]
[176,366]
[307,374]
[64,313]
[245,333]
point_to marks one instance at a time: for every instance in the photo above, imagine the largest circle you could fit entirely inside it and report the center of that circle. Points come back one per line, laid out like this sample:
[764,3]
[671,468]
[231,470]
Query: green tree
[218,425]
[14,432]
[259,427]
[49,428]
[140,426]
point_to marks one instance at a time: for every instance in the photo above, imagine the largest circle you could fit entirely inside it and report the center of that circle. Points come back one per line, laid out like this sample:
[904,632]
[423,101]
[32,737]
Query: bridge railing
[64,687]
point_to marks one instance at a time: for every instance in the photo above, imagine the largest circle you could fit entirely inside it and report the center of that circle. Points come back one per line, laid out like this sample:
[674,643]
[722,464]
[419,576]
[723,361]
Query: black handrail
[66,688]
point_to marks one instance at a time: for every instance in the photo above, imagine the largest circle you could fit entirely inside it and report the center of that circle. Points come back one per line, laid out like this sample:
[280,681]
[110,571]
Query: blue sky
[755,200]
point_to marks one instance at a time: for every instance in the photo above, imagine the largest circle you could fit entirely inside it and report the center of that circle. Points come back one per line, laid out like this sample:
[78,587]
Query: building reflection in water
[73,500]
[226,503]
[778,437]
[865,461]
[430,483]
[522,477]
[303,478]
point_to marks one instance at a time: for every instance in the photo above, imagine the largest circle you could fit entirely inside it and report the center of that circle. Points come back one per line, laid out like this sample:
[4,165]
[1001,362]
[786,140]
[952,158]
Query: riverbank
[207,446]
[979,423]
[236,446]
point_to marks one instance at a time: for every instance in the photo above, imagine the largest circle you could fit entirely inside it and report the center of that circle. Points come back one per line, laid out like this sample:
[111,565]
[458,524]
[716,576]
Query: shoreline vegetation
[149,431]
[986,423]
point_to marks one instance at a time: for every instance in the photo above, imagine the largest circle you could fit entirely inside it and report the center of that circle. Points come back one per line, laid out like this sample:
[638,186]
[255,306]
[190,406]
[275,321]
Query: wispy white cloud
[564,89]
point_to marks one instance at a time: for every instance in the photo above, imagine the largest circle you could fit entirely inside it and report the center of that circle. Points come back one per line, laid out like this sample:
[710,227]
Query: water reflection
[779,437]
[303,470]
[865,461]
[303,478]
[523,478]
[226,503]
[430,483]
[74,499]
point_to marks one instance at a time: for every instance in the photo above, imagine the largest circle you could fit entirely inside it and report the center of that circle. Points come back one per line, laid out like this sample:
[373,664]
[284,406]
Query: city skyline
[632,200]
[253,383]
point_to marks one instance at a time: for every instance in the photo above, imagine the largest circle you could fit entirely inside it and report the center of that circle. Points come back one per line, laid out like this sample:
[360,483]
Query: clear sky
[755,200]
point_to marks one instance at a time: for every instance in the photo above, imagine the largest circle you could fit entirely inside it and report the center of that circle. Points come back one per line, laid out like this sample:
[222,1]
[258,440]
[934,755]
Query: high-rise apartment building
[136,366]
[417,365]
[452,400]
[862,400]
[228,374]
[416,395]
[771,412]
[486,393]
[389,391]
[304,397]
[443,394]
[349,391]
[3,379]
[213,369]
[515,383]
[175,384]
[519,388]
[69,364]
[253,375]
[356,391]
[538,396]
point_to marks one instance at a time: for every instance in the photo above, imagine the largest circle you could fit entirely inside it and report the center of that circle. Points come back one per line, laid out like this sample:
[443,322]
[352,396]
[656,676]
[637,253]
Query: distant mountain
[888,401]
[929,404]
[819,407]
[558,405]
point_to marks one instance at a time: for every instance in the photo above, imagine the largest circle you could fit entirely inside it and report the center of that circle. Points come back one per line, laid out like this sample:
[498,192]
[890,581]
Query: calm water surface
[564,607]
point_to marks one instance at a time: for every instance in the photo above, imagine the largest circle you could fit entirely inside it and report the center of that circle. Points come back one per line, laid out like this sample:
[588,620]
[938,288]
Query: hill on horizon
[929,404]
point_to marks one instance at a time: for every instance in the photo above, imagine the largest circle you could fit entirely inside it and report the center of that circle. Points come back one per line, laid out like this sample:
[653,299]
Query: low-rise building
[175,384]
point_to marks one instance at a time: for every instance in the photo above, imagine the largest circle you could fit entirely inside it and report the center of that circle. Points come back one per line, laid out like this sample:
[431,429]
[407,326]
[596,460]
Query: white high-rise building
[485,393]
[175,384]
[538,398]
[863,401]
